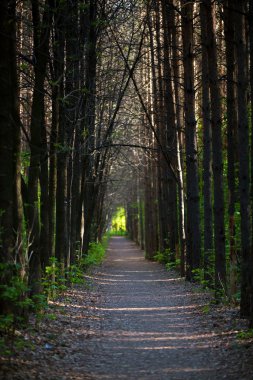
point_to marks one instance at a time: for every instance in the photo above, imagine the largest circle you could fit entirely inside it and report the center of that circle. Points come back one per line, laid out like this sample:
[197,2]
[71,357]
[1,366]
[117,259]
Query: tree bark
[193,214]
[229,31]
[216,122]
[8,131]
[244,170]
[207,151]
[41,45]
[62,148]
[90,189]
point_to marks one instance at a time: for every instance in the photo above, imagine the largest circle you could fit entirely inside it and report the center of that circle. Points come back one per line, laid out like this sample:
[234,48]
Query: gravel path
[150,327]
[136,321]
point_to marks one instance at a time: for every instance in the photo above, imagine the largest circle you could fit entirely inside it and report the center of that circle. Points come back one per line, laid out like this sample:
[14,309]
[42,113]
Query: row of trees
[147,100]
[193,199]
[62,84]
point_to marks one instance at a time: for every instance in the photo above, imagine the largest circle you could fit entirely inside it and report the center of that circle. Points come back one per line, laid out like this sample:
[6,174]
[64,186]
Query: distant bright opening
[118,225]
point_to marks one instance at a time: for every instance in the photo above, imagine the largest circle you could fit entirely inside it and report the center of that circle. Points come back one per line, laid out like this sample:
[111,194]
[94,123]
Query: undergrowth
[16,299]
[167,258]
[118,233]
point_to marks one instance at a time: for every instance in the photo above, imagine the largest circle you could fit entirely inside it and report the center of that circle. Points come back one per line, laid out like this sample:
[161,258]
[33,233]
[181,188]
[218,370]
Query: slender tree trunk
[244,171]
[73,54]
[179,127]
[216,121]
[207,150]
[52,174]
[7,132]
[44,199]
[90,190]
[160,123]
[193,213]
[171,133]
[41,45]
[229,30]
[61,164]
[251,97]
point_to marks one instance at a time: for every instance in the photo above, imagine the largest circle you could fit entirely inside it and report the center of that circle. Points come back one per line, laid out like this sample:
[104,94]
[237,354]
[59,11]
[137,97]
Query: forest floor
[135,320]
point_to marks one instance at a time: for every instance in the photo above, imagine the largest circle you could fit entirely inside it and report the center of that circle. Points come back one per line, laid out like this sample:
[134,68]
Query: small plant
[173,265]
[54,281]
[94,256]
[74,275]
[163,257]
[199,277]
[206,309]
[14,297]
[245,334]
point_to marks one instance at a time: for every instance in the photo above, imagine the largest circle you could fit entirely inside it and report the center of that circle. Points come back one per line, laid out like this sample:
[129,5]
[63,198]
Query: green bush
[54,281]
[163,257]
[173,264]
[248,334]
[94,256]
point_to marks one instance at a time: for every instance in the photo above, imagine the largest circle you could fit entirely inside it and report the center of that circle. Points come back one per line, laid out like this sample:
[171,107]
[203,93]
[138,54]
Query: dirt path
[138,322]
[151,328]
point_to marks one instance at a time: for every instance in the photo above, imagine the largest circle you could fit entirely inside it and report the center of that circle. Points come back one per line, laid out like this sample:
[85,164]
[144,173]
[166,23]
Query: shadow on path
[150,327]
[137,321]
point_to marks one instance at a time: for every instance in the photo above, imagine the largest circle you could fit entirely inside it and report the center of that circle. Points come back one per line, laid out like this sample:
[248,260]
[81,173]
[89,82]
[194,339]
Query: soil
[134,320]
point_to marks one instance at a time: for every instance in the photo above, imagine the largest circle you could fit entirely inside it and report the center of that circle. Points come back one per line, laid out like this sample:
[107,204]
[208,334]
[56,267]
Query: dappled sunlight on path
[132,320]
[150,327]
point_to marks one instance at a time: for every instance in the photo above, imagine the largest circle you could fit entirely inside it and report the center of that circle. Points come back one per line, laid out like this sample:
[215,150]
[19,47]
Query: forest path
[151,327]
[136,322]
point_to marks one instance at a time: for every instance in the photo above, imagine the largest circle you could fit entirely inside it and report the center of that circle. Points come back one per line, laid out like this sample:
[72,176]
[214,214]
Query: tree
[207,149]
[244,172]
[217,159]
[193,217]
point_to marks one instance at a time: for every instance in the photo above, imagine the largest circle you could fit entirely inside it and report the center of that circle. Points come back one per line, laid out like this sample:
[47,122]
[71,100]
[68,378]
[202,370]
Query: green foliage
[173,264]
[39,303]
[166,257]
[61,148]
[54,281]
[74,274]
[16,343]
[118,233]
[119,222]
[14,293]
[206,309]
[94,256]
[6,323]
[163,257]
[198,276]
[245,334]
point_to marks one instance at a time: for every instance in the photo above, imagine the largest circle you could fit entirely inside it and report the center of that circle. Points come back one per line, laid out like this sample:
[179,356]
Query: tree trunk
[90,190]
[229,31]
[170,131]
[216,121]
[8,163]
[41,45]
[207,150]
[179,138]
[244,171]
[61,188]
[52,174]
[44,199]
[193,214]
[251,97]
